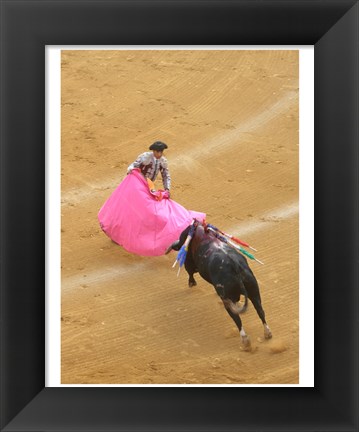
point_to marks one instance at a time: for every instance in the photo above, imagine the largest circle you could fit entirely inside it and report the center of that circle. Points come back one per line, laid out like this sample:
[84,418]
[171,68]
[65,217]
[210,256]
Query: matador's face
[157,153]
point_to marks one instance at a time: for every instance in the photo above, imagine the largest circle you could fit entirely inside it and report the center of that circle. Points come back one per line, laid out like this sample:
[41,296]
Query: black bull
[227,270]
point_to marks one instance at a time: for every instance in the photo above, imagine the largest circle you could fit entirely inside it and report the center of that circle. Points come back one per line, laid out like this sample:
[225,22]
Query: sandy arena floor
[230,119]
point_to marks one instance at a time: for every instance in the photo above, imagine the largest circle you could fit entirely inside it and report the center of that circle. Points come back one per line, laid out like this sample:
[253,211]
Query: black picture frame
[26,28]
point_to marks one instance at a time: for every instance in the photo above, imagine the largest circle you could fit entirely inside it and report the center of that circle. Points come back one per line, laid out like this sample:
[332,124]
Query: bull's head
[189,231]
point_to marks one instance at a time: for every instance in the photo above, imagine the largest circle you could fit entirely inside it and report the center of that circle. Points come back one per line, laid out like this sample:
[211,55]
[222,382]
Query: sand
[231,122]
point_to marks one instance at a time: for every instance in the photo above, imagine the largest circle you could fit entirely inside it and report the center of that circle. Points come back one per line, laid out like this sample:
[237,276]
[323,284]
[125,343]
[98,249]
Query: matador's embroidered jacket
[150,167]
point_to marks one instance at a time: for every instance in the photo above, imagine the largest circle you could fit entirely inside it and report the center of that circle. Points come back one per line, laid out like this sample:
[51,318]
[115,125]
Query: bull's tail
[237,308]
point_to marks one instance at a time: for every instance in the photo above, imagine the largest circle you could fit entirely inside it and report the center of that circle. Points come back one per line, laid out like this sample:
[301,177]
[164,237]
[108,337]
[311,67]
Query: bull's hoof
[267,332]
[246,343]
[192,283]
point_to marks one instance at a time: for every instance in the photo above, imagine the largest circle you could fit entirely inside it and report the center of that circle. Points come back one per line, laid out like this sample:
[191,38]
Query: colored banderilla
[232,241]
[182,253]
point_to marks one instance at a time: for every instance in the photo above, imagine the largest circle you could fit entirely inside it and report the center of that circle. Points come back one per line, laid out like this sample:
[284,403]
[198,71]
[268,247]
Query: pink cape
[138,221]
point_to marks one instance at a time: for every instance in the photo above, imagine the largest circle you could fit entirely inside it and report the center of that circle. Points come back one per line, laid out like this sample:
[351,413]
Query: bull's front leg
[190,268]
[191,281]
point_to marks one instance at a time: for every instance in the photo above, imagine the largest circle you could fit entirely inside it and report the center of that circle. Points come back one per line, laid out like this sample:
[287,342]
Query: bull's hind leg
[257,303]
[228,304]
[254,296]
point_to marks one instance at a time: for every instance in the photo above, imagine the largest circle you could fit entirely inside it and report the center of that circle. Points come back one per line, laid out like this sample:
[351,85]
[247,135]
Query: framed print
[84,398]
[99,283]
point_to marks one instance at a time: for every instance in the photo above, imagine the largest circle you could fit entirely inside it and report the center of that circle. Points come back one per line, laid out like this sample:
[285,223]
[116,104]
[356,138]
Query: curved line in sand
[218,143]
[109,273]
